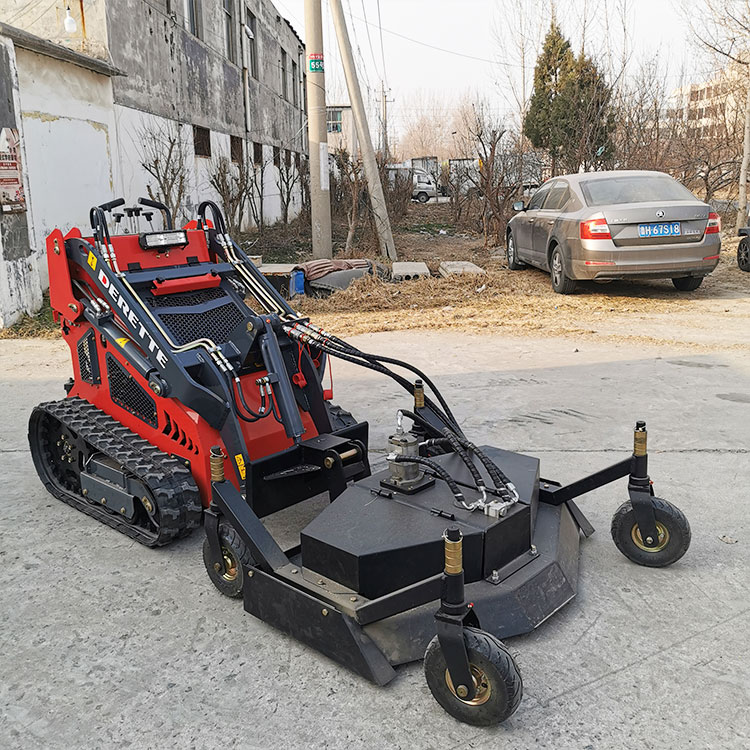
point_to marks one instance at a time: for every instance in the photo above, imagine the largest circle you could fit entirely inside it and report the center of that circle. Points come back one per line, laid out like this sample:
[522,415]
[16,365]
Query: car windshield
[634,189]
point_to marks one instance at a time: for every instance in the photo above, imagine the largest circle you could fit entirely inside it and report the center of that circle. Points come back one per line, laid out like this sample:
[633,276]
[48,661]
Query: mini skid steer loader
[199,398]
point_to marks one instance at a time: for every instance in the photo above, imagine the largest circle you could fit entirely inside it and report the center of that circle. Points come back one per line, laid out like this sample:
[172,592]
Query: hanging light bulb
[69,23]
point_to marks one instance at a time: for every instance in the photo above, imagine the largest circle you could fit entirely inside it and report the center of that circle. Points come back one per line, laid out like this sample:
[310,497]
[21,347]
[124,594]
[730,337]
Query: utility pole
[379,209]
[384,119]
[317,137]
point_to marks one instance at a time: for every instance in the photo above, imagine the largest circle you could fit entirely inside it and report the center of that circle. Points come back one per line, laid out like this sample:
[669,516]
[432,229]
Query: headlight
[156,240]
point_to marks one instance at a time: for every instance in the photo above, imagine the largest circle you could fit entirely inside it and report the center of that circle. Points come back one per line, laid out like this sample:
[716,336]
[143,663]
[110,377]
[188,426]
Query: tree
[724,30]
[583,117]
[569,114]
[497,177]
[163,151]
[287,176]
[231,181]
[553,64]
[350,176]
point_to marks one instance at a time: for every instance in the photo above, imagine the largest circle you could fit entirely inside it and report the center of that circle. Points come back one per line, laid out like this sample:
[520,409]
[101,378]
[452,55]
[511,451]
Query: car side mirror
[518,206]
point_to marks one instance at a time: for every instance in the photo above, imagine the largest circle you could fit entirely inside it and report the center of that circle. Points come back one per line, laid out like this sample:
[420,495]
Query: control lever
[158,204]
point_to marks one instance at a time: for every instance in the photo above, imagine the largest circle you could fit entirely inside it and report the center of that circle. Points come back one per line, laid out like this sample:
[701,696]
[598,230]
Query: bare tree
[724,30]
[163,152]
[498,176]
[231,180]
[353,188]
[287,176]
[256,190]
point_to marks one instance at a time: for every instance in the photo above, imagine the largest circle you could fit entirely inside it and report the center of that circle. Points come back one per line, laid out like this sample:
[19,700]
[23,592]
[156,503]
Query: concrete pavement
[106,644]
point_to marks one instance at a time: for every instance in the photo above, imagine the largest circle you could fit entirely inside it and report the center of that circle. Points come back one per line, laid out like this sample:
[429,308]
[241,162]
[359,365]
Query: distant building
[215,78]
[342,132]
[709,108]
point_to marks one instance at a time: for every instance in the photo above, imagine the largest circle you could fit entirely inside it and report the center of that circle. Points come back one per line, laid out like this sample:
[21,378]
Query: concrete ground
[106,644]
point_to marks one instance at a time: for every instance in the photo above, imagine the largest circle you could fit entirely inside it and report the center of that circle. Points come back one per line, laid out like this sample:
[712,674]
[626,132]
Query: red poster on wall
[12,198]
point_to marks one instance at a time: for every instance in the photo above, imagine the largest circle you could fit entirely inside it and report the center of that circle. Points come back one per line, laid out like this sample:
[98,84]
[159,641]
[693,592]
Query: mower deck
[376,555]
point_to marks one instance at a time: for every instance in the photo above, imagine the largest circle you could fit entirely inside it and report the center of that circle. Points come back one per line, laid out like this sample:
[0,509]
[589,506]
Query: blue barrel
[296,283]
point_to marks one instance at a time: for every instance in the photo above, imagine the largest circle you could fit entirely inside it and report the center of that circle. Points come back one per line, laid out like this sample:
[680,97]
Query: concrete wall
[45,19]
[69,134]
[20,285]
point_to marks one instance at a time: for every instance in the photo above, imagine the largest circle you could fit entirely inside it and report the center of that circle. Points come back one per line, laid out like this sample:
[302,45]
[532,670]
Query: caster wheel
[673,529]
[237,560]
[498,682]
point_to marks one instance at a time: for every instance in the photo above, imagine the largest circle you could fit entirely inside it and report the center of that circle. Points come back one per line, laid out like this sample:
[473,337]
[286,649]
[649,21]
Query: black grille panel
[187,299]
[216,324]
[125,392]
[88,364]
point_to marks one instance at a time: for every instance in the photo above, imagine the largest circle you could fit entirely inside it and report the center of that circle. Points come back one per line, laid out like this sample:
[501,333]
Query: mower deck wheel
[237,561]
[671,524]
[497,681]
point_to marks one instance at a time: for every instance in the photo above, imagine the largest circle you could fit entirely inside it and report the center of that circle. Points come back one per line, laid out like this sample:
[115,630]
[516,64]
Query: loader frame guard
[196,381]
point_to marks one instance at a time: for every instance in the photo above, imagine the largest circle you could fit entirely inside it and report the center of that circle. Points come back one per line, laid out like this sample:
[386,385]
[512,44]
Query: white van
[424,186]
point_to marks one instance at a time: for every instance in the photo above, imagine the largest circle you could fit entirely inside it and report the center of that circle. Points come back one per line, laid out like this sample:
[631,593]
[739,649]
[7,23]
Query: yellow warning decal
[240,464]
[122,341]
[92,260]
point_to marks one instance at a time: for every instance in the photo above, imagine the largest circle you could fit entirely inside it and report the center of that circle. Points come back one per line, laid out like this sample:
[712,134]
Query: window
[252,43]
[333,120]
[257,153]
[297,161]
[634,189]
[201,141]
[193,16]
[284,84]
[295,84]
[276,157]
[557,197]
[235,148]
[229,29]
[538,197]
[288,159]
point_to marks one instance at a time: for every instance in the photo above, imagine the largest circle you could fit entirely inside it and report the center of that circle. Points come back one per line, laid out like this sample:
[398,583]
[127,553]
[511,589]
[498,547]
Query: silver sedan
[615,225]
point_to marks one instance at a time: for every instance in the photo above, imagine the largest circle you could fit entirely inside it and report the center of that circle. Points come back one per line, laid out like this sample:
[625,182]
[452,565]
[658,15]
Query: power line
[435,47]
[382,49]
[369,38]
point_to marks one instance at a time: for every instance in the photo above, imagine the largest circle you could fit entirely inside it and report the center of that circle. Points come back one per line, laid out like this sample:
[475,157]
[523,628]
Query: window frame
[201,138]
[230,47]
[283,67]
[251,23]
[330,121]
[235,146]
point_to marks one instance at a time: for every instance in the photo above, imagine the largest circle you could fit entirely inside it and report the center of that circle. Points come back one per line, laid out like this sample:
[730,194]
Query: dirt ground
[522,302]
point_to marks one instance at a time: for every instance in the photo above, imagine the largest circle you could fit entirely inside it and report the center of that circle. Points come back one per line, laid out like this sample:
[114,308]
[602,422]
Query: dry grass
[38,326]
[520,302]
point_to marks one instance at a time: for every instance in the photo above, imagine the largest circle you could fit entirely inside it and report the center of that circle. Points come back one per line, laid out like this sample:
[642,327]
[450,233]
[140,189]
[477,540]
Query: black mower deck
[376,555]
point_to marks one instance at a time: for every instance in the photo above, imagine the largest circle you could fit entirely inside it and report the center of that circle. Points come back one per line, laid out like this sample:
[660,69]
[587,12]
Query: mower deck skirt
[529,590]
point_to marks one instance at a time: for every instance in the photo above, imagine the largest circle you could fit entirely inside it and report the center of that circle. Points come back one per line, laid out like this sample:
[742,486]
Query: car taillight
[595,229]
[714,224]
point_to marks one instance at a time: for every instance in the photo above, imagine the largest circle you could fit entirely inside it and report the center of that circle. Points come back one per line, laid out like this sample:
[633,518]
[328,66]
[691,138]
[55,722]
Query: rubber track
[169,480]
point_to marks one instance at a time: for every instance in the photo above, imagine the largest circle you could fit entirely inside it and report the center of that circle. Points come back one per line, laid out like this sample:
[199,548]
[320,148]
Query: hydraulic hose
[436,468]
[499,479]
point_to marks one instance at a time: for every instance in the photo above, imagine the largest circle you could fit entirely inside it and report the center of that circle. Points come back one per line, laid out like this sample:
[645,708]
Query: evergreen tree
[584,117]
[570,110]
[541,124]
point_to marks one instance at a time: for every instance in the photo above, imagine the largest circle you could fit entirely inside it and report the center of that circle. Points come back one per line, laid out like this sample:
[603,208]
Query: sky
[477,41]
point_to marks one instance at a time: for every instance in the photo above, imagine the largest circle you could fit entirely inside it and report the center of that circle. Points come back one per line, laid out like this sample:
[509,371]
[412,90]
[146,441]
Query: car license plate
[669,229]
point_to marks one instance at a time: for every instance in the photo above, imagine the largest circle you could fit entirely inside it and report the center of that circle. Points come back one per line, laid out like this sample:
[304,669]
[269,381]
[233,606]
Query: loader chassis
[199,397]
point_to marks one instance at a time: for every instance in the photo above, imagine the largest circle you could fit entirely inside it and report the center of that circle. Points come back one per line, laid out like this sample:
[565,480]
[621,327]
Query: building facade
[220,83]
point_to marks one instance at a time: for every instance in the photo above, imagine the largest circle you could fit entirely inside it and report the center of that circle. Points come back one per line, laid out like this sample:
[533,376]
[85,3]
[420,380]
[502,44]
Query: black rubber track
[179,509]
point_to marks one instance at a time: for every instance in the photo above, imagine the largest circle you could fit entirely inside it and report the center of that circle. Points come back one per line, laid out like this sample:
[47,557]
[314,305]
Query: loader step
[71,438]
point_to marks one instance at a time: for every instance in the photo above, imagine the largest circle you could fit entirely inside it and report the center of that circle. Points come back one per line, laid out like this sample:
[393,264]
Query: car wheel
[510,251]
[743,255]
[687,283]
[561,283]
[423,197]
